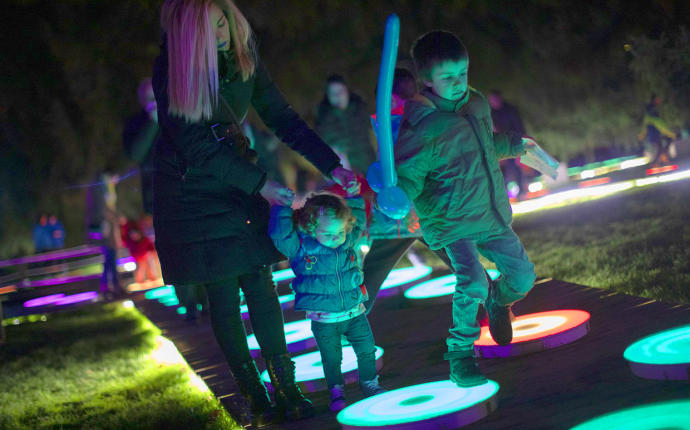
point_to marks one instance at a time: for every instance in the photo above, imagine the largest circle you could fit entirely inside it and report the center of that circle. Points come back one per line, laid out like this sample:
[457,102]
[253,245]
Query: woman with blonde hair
[211,200]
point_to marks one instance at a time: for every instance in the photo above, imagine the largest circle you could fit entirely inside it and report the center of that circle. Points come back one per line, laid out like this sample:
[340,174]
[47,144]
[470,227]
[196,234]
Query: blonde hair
[193,57]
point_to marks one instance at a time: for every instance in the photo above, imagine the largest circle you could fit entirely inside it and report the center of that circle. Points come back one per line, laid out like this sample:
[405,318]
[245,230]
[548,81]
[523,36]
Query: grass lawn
[94,368]
[635,242]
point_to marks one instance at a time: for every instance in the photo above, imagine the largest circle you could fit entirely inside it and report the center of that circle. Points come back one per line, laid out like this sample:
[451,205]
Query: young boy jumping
[447,162]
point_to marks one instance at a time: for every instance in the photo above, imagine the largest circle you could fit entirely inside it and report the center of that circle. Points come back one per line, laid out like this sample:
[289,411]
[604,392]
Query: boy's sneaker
[500,324]
[338,402]
[464,370]
[371,387]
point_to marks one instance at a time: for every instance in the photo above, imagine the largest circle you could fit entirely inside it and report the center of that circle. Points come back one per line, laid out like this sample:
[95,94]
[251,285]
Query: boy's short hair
[436,47]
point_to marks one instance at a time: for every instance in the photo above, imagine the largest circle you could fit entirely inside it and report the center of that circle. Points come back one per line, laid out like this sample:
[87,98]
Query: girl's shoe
[371,387]
[338,402]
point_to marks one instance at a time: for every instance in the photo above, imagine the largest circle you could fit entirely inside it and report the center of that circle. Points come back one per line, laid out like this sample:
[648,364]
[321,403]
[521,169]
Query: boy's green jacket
[446,158]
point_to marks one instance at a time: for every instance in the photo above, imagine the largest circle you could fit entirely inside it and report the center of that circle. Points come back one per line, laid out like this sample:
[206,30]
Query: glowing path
[286,301]
[536,332]
[663,355]
[400,278]
[673,415]
[434,405]
[579,195]
[438,290]
[61,299]
[309,371]
[298,337]
[283,275]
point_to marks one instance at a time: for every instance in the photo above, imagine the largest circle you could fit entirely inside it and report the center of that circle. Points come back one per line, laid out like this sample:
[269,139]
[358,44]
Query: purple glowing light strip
[76,298]
[42,301]
[60,281]
[79,251]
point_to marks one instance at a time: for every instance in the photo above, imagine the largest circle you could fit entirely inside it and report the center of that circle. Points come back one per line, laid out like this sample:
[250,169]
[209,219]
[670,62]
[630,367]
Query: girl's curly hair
[322,203]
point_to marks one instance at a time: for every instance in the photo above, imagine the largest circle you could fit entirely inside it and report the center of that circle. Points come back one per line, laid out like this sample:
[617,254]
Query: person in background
[41,234]
[140,132]
[506,119]
[110,237]
[342,121]
[57,232]
[656,135]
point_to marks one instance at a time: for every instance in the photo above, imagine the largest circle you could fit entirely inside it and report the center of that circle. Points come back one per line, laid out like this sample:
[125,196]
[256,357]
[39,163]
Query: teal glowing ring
[440,404]
[160,292]
[283,275]
[298,337]
[309,371]
[286,302]
[402,277]
[664,355]
[440,289]
[666,415]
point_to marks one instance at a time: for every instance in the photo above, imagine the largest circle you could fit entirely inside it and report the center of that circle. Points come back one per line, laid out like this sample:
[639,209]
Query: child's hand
[277,194]
[347,180]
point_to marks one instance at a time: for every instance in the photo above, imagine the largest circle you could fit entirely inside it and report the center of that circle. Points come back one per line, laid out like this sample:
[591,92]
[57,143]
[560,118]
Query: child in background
[319,240]
[447,163]
[141,249]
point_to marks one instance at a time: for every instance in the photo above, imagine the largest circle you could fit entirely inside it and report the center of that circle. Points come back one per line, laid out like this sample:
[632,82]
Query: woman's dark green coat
[210,222]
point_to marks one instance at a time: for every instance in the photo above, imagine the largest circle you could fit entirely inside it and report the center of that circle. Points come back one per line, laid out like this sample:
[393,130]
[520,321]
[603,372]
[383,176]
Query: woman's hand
[346,179]
[277,194]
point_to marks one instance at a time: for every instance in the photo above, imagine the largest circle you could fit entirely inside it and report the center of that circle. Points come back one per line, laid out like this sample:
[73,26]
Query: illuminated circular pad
[536,332]
[286,302]
[438,290]
[298,337]
[309,371]
[400,278]
[664,355]
[673,415]
[436,405]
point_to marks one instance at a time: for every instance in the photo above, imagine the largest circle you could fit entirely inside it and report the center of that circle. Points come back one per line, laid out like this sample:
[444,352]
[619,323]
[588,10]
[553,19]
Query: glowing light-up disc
[536,332]
[286,302]
[434,405]
[438,290]
[283,275]
[309,371]
[298,337]
[664,355]
[398,279]
[673,415]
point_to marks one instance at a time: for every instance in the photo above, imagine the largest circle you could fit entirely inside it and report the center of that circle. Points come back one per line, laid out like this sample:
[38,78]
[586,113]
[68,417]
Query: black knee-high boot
[289,398]
[253,389]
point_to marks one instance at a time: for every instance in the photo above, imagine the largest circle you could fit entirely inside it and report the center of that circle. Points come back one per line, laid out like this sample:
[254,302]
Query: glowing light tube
[434,405]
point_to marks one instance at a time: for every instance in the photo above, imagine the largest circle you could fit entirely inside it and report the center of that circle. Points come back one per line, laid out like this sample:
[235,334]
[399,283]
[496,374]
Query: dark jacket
[210,221]
[347,131]
[447,162]
[326,279]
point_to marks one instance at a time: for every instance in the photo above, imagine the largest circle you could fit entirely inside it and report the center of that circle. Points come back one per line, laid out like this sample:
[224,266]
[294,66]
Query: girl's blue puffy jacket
[326,279]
